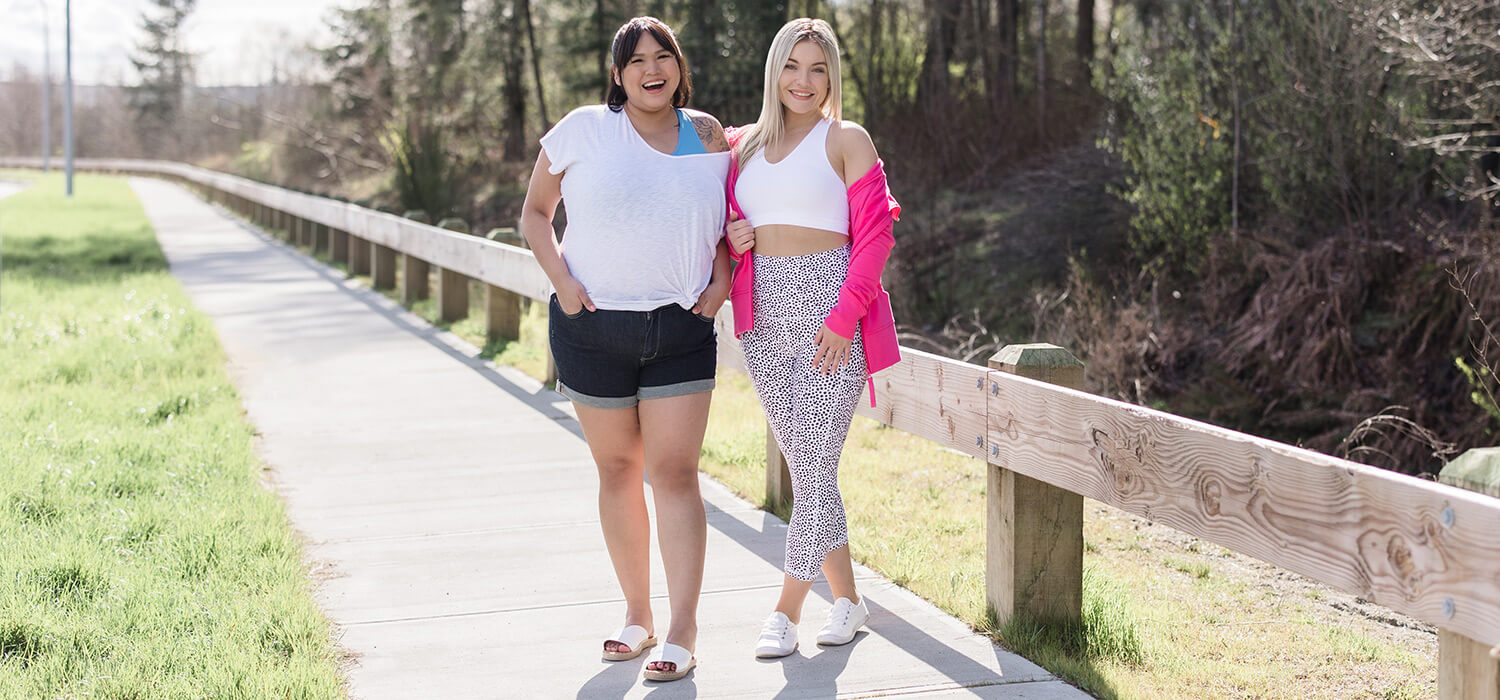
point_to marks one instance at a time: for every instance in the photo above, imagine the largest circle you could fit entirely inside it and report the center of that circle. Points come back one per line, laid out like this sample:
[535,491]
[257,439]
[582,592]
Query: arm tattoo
[711,134]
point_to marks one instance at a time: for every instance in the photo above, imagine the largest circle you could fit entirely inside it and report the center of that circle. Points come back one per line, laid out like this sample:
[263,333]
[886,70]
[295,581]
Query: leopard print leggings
[809,412]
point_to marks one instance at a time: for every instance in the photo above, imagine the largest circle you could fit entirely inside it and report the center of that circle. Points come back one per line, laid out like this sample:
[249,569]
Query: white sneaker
[843,621]
[778,637]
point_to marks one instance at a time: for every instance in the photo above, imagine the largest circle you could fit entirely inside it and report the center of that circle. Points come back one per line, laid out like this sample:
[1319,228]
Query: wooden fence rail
[1425,549]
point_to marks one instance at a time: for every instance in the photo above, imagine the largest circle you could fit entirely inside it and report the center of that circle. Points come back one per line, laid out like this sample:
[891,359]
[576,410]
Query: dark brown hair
[624,45]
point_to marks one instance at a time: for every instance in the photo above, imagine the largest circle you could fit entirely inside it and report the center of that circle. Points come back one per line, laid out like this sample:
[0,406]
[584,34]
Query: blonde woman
[810,226]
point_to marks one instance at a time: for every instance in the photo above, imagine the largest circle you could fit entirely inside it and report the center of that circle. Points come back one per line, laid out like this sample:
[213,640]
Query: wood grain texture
[933,397]
[1466,671]
[1374,533]
[1033,530]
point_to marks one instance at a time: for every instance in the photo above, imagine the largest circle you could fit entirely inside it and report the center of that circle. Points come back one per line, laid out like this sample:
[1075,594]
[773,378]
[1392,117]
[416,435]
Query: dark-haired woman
[640,274]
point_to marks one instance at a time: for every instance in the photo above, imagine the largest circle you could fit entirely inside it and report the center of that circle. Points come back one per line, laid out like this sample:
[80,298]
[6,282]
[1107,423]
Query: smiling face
[803,86]
[650,76]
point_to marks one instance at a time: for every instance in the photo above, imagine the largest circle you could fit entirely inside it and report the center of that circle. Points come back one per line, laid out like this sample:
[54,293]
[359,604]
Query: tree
[1451,50]
[1008,51]
[1084,42]
[166,70]
[362,81]
[429,39]
[942,27]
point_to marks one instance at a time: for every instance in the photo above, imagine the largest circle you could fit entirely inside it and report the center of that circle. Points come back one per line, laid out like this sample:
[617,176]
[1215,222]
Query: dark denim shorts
[616,359]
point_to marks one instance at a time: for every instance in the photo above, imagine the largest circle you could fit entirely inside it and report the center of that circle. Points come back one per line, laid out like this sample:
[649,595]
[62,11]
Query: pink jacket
[862,300]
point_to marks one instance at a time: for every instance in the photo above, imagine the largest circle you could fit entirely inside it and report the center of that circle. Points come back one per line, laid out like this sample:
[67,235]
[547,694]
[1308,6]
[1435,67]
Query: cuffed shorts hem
[596,401]
[645,393]
[694,386]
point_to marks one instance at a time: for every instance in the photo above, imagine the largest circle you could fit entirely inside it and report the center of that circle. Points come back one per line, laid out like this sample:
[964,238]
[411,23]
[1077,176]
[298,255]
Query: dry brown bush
[1305,344]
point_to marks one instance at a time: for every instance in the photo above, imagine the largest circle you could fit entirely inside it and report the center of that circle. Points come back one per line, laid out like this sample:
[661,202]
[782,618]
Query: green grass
[143,555]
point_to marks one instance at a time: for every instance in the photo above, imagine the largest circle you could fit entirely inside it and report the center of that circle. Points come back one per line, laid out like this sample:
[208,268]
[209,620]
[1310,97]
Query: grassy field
[143,555]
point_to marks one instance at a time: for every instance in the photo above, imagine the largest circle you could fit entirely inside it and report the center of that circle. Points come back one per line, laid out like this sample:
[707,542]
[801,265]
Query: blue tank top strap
[688,142]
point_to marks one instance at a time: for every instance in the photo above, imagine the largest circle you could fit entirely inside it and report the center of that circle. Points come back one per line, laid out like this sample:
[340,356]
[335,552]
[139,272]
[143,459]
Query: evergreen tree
[166,71]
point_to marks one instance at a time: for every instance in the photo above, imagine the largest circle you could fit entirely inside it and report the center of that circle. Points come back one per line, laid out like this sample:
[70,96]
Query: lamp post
[68,97]
[46,90]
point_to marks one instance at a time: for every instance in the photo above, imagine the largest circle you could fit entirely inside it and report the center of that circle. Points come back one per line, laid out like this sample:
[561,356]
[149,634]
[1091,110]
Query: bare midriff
[780,240]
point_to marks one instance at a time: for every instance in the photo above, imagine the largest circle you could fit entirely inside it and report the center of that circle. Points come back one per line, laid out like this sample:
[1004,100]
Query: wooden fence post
[321,242]
[452,287]
[502,313]
[359,255]
[1034,531]
[1466,671]
[414,270]
[414,282]
[383,267]
[778,474]
[502,307]
[340,244]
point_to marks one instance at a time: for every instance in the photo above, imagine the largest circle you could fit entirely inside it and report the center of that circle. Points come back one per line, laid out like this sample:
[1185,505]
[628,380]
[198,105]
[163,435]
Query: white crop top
[800,190]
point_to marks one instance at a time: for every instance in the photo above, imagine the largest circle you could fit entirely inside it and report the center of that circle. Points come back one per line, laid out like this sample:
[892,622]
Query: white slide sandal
[634,636]
[672,654]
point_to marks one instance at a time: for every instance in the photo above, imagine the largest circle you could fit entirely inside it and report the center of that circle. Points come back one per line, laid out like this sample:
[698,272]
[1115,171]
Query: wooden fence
[1425,549]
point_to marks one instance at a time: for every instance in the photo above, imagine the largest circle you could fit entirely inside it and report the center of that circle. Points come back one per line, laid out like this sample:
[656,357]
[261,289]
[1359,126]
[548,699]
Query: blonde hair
[771,125]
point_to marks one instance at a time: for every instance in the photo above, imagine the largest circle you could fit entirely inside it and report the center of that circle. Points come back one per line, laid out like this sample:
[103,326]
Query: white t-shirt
[643,226]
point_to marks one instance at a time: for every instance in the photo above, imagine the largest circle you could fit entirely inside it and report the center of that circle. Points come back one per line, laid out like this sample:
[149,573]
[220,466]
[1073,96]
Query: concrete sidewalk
[450,509]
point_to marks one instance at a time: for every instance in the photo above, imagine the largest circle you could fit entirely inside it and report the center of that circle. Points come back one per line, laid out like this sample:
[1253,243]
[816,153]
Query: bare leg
[839,569]
[793,593]
[614,438]
[672,429]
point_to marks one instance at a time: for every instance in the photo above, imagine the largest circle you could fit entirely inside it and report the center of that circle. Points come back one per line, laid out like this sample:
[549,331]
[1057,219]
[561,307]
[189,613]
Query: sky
[238,41]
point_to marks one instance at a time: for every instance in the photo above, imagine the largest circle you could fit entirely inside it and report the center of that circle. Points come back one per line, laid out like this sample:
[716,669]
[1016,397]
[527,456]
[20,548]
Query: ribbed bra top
[800,190]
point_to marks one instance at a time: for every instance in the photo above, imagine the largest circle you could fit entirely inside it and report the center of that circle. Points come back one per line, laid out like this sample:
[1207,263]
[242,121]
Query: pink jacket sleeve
[872,211]
[733,134]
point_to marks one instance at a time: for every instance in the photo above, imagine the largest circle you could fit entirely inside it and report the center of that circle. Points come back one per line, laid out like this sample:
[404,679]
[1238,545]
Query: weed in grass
[1406,691]
[1353,645]
[165,410]
[35,508]
[197,556]
[1197,570]
[130,484]
[70,584]
[1105,633]
[20,642]
[1109,621]
[141,531]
